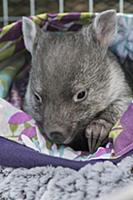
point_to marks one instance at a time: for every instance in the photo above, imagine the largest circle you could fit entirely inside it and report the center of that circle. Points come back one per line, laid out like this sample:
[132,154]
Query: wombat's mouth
[78,141]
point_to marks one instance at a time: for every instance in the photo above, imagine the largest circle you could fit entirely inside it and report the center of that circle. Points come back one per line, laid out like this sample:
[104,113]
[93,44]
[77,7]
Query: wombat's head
[69,81]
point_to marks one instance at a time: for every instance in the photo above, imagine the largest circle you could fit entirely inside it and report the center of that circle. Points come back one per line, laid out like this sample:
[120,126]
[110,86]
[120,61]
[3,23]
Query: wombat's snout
[57,137]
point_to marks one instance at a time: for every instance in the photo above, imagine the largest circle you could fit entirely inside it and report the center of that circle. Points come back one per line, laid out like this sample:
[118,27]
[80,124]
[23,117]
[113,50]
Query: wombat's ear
[105,26]
[29,33]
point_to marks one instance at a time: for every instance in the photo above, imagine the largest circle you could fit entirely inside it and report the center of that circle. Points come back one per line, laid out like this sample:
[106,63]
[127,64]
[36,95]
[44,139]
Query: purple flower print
[29,132]
[19,118]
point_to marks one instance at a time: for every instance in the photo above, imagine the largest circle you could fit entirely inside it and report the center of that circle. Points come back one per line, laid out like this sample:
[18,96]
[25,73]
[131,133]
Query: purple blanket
[16,155]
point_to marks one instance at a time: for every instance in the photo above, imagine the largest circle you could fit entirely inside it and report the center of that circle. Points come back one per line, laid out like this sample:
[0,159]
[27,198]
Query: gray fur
[63,64]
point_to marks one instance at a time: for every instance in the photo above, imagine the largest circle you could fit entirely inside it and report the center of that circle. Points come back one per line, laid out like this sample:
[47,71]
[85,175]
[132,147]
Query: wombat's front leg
[98,130]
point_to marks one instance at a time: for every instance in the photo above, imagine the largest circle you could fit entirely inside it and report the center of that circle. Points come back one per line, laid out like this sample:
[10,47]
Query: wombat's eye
[37,97]
[80,96]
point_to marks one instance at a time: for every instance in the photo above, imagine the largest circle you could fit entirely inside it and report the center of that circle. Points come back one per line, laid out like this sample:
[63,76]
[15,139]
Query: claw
[95,142]
[89,135]
[96,133]
[92,141]
[102,137]
[98,144]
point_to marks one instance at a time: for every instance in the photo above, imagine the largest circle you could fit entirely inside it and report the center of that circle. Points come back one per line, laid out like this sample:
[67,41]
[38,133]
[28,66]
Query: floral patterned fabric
[19,126]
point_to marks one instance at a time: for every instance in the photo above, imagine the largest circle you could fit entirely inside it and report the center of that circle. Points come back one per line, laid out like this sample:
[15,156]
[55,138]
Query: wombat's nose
[57,137]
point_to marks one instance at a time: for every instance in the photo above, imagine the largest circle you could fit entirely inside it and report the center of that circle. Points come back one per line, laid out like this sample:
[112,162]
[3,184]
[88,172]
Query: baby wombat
[76,85]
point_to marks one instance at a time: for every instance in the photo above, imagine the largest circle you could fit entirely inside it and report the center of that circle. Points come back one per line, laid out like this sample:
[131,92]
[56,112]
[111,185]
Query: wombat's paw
[97,132]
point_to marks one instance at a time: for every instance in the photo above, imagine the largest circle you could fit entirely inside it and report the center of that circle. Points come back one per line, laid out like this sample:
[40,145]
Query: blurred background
[12,10]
